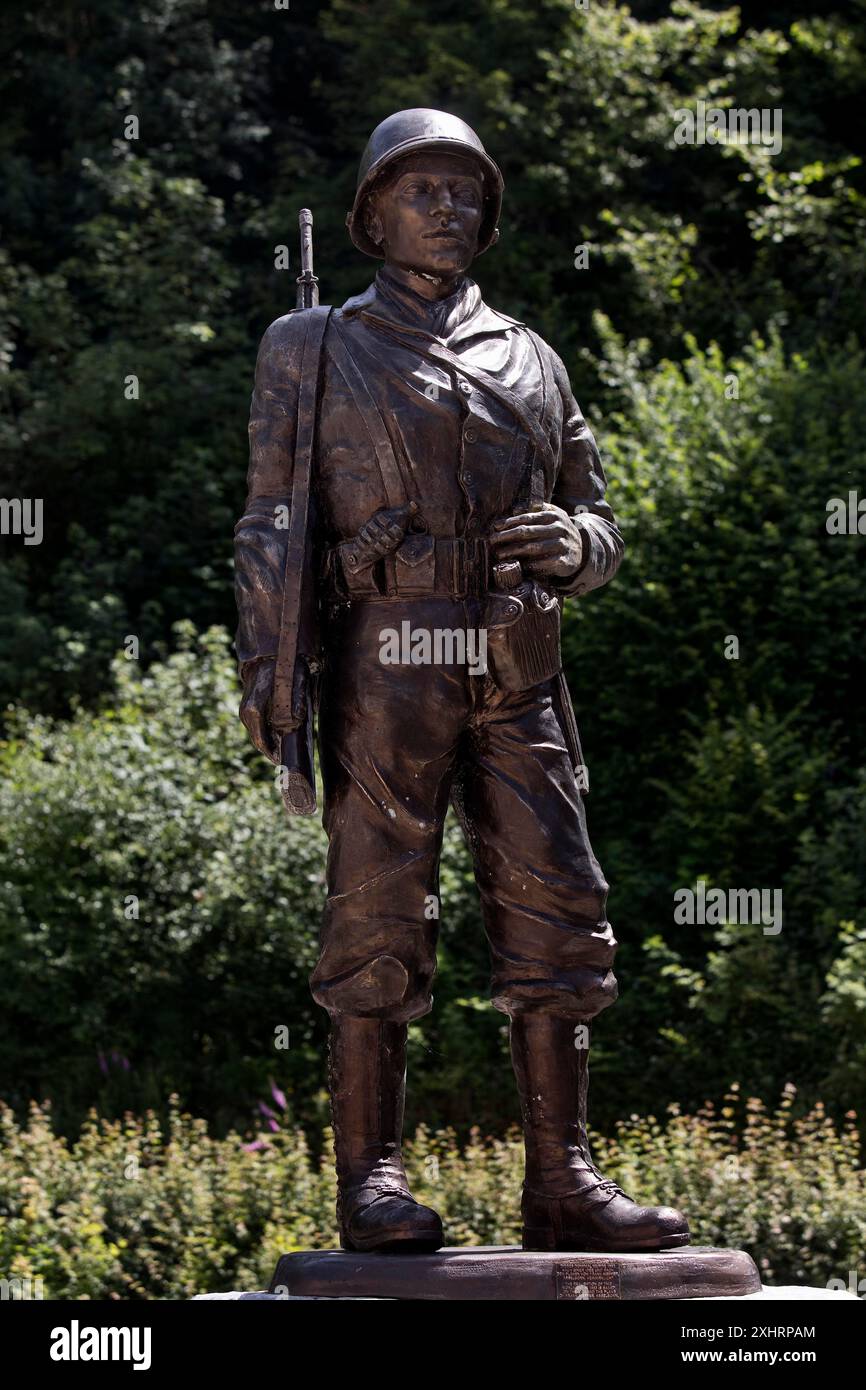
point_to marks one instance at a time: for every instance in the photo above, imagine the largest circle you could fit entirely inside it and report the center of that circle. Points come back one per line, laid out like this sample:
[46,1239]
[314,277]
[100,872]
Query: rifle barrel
[305,222]
[308,285]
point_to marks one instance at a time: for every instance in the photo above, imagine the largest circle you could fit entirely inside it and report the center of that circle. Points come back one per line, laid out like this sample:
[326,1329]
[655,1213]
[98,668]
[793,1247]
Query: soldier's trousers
[397,742]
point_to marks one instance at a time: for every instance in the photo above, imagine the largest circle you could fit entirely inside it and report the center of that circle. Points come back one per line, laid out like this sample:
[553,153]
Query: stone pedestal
[504,1272]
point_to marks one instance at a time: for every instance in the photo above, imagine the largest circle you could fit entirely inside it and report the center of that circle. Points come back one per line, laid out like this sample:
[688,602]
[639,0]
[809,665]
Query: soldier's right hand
[258,688]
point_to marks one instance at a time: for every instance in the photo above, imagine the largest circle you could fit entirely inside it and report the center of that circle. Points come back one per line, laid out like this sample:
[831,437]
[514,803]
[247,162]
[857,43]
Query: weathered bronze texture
[493,1273]
[418,131]
[422,444]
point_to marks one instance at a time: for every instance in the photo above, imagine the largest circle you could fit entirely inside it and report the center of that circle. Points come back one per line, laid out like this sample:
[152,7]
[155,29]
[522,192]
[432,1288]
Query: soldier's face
[429,215]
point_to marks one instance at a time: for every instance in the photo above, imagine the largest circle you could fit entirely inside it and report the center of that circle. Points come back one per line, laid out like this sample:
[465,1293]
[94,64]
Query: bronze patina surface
[440,483]
[494,1273]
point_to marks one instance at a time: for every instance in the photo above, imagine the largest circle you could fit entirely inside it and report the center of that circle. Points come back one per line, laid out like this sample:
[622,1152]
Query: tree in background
[154,256]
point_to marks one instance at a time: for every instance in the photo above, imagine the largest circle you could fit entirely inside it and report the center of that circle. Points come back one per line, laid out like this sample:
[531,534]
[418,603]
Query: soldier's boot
[367,1078]
[567,1203]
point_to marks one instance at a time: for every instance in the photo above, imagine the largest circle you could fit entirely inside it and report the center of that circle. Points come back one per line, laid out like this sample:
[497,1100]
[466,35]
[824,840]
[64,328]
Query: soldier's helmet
[422,128]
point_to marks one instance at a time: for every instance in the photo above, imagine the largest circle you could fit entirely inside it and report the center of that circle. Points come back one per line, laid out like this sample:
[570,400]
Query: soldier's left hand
[547,542]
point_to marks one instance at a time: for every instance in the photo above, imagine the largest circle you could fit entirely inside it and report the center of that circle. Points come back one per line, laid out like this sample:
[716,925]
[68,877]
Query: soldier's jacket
[466,453]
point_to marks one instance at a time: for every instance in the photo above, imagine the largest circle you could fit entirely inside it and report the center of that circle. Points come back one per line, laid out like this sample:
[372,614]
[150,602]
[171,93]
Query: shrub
[135,1208]
[158,916]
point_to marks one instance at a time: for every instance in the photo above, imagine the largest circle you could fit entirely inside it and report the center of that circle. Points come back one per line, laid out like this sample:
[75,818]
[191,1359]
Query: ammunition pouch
[355,571]
[415,565]
[419,565]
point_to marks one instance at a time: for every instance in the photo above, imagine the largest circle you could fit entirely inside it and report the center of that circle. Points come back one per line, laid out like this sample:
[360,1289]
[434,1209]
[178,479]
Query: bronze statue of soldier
[436,471]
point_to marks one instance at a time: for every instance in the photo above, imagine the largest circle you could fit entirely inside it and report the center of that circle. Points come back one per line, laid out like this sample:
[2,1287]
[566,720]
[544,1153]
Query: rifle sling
[282,717]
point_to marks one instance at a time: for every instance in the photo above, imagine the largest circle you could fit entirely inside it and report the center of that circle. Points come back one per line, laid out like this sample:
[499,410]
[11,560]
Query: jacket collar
[459,316]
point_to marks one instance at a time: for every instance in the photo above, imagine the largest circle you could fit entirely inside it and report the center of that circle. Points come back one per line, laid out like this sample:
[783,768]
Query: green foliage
[155,904]
[715,341]
[119,262]
[159,915]
[136,1209]
[741,769]
[155,256]
[156,806]
[788,1190]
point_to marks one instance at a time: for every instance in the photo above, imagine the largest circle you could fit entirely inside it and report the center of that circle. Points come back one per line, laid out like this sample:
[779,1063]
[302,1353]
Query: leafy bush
[135,1209]
[743,769]
[154,903]
[159,916]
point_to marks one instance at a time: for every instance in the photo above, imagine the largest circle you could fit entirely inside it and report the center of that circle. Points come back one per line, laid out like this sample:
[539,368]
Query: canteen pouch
[523,635]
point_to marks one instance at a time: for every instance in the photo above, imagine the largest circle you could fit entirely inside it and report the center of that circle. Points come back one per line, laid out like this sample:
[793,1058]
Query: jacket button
[470,436]
[466,388]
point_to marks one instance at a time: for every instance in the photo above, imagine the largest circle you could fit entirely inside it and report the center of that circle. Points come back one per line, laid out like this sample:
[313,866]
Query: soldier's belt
[421,564]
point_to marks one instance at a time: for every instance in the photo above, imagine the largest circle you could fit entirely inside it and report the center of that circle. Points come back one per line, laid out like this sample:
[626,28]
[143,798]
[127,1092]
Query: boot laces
[607,1185]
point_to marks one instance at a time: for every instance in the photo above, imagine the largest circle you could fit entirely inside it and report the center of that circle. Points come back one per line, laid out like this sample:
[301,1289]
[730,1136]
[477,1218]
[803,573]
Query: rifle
[308,284]
[292,702]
